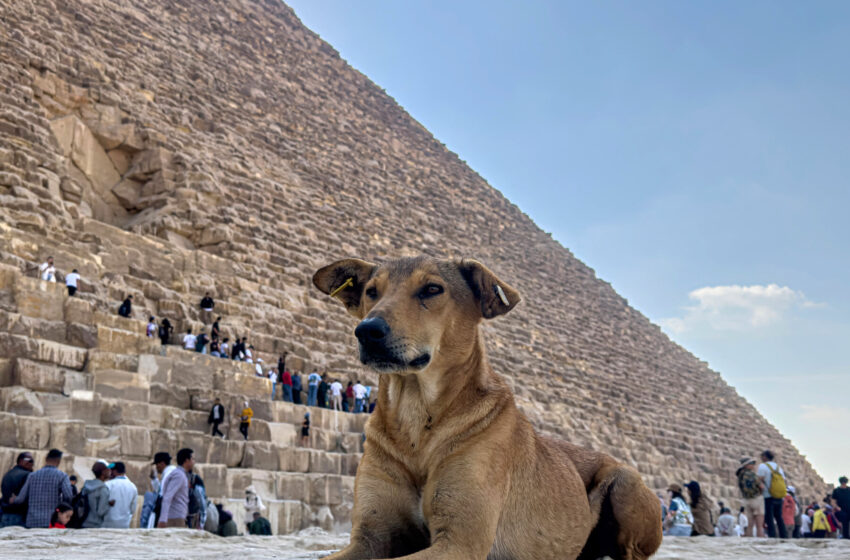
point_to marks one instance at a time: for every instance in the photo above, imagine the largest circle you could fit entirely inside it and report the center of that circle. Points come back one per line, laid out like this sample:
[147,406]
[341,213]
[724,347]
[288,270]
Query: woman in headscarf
[253,504]
[701,510]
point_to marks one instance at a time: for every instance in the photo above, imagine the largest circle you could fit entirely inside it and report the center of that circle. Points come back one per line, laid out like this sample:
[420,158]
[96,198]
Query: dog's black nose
[372,330]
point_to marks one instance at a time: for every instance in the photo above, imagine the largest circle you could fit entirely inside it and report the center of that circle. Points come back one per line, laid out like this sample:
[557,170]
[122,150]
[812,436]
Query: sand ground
[105,544]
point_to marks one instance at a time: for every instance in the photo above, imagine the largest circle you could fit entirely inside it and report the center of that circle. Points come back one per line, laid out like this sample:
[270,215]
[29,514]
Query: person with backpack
[775,489]
[679,522]
[201,342]
[94,503]
[197,502]
[752,497]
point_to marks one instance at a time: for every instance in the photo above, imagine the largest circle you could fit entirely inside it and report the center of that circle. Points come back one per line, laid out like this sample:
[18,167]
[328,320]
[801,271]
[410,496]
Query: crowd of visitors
[770,507]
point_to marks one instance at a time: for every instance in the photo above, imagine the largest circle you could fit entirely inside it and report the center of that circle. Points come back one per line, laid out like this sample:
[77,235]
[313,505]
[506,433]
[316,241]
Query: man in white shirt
[272,377]
[359,395]
[122,495]
[189,340]
[772,505]
[336,394]
[151,328]
[71,282]
[47,271]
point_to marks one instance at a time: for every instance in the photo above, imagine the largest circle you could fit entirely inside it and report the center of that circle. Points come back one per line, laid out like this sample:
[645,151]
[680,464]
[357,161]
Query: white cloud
[824,415]
[737,308]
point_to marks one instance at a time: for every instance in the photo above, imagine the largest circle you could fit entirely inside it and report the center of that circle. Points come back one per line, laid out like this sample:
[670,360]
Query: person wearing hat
[751,486]
[162,468]
[841,496]
[679,522]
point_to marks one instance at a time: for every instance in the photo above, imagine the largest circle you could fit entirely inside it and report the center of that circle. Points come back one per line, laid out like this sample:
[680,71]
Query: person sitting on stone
[47,271]
[260,525]
[226,525]
[238,351]
[726,524]
[189,340]
[249,351]
[201,342]
[96,493]
[13,482]
[126,308]
[165,330]
[151,329]
[224,347]
[215,349]
[207,305]
[71,281]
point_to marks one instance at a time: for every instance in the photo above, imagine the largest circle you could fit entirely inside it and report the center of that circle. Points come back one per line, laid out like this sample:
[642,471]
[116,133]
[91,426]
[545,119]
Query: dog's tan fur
[451,468]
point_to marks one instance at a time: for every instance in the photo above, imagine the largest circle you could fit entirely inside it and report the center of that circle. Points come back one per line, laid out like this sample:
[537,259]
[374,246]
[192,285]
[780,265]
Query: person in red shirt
[286,381]
[348,403]
[61,516]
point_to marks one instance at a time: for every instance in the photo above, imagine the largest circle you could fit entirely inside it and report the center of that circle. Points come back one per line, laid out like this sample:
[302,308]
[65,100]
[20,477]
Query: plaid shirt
[43,490]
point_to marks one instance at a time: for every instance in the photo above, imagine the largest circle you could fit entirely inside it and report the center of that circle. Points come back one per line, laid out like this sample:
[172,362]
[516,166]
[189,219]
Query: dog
[451,468]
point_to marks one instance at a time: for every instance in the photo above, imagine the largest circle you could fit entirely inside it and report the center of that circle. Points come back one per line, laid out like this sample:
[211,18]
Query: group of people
[770,507]
[47,272]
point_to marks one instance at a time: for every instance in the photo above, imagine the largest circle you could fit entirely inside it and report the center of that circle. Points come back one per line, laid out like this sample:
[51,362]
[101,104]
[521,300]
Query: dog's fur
[451,468]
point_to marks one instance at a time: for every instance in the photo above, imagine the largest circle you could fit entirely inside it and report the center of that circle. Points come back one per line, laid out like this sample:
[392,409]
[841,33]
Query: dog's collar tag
[501,293]
[344,285]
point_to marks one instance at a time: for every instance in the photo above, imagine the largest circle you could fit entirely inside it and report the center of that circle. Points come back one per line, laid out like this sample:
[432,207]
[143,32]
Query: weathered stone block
[197,442]
[215,479]
[99,360]
[227,452]
[120,411]
[169,395]
[84,336]
[135,441]
[324,462]
[289,517]
[260,455]
[69,436]
[79,311]
[36,298]
[19,400]
[294,459]
[122,384]
[164,440]
[325,490]
[283,434]
[292,486]
[42,351]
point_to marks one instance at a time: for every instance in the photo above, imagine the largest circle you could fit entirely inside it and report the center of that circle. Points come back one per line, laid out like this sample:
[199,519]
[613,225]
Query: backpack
[777,487]
[211,524]
[749,485]
[80,507]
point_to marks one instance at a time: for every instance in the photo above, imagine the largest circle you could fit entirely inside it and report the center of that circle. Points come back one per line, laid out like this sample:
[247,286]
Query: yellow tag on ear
[501,293]
[346,284]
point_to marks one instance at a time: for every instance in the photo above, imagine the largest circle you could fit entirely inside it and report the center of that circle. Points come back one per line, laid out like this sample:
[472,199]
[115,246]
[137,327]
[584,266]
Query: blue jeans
[287,393]
[358,405]
[679,531]
[274,387]
[11,520]
[311,394]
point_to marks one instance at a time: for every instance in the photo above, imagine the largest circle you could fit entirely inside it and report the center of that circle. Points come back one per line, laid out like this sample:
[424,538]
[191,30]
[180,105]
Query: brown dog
[451,468]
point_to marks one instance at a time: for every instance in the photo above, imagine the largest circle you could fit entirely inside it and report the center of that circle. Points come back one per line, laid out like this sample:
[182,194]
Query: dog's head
[415,312]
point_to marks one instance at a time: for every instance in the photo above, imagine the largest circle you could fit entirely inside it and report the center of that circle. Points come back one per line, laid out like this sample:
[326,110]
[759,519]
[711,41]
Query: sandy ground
[103,544]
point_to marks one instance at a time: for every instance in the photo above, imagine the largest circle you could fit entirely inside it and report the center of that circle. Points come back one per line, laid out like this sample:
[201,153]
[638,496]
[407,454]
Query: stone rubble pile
[168,149]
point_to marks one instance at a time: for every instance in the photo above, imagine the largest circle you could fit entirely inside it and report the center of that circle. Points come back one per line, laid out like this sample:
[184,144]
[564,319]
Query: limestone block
[135,441]
[260,455]
[292,486]
[195,420]
[323,517]
[49,378]
[155,368]
[35,298]
[191,374]
[109,446]
[227,452]
[325,490]
[90,157]
[215,479]
[167,417]
[250,386]
[342,517]
[148,162]
[81,335]
[117,340]
[169,395]
[99,359]
[237,481]
[68,435]
[259,430]
[85,406]
[119,411]
[283,434]
[289,517]
[7,371]
[164,440]
[19,400]
[197,442]
[294,459]
[8,430]
[78,311]
[324,462]
[122,384]
[349,463]
[9,275]
[287,412]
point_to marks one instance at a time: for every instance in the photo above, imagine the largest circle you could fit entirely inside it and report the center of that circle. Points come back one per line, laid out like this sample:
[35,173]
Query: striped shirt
[43,490]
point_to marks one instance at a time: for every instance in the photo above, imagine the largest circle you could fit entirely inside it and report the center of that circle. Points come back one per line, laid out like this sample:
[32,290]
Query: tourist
[258,368]
[197,502]
[245,420]
[789,511]
[126,307]
[820,525]
[61,516]
[161,466]
[175,492]
[743,522]
[224,347]
[47,272]
[281,362]
[123,494]
[322,392]
[806,523]
[96,494]
[726,524]
[679,522]
[189,340]
[73,480]
[215,350]
[253,503]
[216,417]
[238,349]
[286,383]
[226,524]
[336,395]
[700,510]
[249,351]
[751,486]
[215,333]
[201,342]
[359,395]
[207,305]
[832,519]
[312,388]
[841,495]
[273,379]
[305,429]
[348,403]
[71,282]
[773,479]
[13,481]
[798,521]
[296,388]
[151,329]
[43,491]
[165,330]
[260,525]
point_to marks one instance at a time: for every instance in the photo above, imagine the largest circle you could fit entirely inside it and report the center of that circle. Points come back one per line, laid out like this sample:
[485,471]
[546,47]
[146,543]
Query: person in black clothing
[841,496]
[238,349]
[207,305]
[201,342]
[73,480]
[215,333]
[322,393]
[281,363]
[13,481]
[126,308]
[165,330]
[216,417]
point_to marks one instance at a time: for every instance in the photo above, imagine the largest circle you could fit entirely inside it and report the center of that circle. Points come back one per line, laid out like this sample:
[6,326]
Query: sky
[695,155]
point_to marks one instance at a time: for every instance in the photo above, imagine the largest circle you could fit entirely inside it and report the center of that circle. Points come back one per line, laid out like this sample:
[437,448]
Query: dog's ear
[345,279]
[494,296]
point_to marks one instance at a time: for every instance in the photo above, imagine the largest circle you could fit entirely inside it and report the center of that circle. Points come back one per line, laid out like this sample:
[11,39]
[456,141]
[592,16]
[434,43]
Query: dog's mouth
[389,360]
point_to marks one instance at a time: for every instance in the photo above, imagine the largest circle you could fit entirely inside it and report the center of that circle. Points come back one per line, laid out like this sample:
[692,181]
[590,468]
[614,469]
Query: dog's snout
[372,330]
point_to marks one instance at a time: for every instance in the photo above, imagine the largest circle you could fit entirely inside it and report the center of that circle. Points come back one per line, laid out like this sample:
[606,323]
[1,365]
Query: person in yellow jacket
[247,414]
[820,526]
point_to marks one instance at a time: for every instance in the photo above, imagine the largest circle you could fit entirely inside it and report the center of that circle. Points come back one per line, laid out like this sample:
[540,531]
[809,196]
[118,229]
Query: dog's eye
[372,292]
[430,290]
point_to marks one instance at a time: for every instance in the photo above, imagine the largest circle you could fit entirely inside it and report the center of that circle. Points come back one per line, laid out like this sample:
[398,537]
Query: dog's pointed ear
[345,280]
[494,296]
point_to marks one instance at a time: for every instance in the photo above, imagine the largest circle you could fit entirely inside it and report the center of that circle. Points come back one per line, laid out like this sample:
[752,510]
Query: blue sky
[696,155]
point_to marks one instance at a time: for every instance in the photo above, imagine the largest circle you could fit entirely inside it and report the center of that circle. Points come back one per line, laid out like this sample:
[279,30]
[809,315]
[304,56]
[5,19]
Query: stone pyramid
[166,149]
